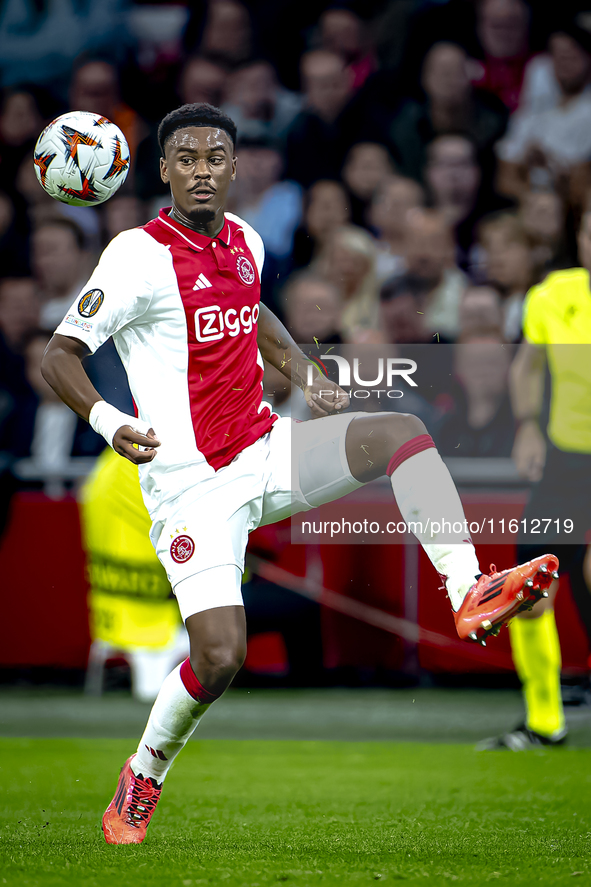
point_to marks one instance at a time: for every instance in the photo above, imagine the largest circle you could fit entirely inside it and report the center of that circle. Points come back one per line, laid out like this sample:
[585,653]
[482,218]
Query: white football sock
[172,721]
[427,496]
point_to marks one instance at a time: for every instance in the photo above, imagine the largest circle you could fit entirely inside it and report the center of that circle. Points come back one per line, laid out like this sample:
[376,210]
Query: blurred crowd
[413,167]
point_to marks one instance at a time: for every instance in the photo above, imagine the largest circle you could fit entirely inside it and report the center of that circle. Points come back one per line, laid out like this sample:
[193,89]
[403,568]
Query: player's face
[199,164]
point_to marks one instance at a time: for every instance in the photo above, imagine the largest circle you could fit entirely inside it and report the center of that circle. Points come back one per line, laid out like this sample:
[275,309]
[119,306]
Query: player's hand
[126,442]
[325,397]
[529,451]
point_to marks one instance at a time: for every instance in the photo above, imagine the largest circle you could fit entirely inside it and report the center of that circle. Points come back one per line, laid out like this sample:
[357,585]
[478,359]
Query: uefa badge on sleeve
[182,549]
[90,303]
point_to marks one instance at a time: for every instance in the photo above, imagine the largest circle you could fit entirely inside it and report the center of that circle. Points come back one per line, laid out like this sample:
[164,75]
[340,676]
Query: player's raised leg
[398,445]
[218,648]
[337,454]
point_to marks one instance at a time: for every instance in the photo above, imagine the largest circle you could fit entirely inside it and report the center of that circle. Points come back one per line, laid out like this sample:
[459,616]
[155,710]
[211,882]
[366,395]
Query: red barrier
[45,618]
[43,587]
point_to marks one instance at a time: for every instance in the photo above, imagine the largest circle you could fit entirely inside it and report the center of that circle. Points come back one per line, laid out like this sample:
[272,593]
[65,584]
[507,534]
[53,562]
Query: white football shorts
[200,536]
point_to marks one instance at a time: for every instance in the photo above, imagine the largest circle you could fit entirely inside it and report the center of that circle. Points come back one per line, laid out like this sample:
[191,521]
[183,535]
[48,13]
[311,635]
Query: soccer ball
[81,158]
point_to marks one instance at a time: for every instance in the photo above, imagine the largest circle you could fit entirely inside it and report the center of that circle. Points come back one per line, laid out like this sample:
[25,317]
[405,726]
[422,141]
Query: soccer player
[180,296]
[557,333]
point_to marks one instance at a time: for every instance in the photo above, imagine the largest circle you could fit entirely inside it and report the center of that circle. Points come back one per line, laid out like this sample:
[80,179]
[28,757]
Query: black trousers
[563,494]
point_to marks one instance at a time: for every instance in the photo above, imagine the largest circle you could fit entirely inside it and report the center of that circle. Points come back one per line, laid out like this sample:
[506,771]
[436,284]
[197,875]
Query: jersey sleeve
[534,324]
[118,292]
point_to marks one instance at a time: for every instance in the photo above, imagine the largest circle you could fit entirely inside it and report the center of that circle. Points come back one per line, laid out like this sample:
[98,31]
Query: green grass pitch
[261,813]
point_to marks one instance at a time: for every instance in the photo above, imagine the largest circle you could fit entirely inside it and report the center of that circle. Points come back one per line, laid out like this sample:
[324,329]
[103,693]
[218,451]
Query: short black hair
[196,114]
[401,285]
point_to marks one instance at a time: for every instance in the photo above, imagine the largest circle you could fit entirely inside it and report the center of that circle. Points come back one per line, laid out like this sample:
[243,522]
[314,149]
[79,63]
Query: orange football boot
[496,598]
[128,815]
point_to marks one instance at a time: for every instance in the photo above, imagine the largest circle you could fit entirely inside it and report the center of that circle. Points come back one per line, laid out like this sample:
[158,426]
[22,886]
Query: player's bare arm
[62,369]
[527,390]
[279,349]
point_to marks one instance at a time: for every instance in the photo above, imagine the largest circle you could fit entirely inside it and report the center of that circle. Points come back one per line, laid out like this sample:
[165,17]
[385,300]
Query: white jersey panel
[123,283]
[253,240]
[143,311]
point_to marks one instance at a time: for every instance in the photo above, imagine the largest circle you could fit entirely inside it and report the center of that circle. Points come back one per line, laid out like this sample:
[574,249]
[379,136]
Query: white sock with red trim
[179,706]
[429,502]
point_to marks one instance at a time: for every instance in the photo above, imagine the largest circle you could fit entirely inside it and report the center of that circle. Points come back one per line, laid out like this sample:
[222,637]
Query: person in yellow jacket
[557,335]
[132,608]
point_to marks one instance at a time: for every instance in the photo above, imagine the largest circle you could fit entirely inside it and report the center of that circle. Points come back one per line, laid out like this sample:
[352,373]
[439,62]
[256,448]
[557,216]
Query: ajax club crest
[245,270]
[182,549]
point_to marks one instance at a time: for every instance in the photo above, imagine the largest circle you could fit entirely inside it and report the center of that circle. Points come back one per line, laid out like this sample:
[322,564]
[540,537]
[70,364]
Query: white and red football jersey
[182,309]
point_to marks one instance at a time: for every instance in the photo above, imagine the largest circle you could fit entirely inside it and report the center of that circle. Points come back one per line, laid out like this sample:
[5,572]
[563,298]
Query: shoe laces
[144,797]
[493,573]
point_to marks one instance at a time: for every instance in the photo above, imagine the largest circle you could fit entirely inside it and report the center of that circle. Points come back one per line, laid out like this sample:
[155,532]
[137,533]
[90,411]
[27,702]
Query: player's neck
[208,229]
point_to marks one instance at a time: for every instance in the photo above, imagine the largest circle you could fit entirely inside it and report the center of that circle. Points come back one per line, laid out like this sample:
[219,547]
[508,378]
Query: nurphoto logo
[388,370]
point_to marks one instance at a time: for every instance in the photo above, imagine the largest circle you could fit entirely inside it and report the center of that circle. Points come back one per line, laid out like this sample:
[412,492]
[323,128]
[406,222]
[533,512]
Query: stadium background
[379,159]
[381,163]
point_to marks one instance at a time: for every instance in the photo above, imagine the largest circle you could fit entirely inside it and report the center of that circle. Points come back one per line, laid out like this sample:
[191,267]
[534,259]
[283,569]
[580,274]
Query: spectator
[19,314]
[326,208]
[160,32]
[95,87]
[45,39]
[344,33]
[273,207]
[202,80]
[120,213]
[258,105]
[227,36]
[510,265]
[313,309]
[481,313]
[10,370]
[366,166]
[60,267]
[277,390]
[14,252]
[402,323]
[551,148]
[48,431]
[348,261]
[20,124]
[285,398]
[542,216]
[450,105]
[481,423]
[540,90]
[316,141]
[402,311]
[453,178]
[52,434]
[429,251]
[503,29]
[391,203]
[41,208]
[19,311]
